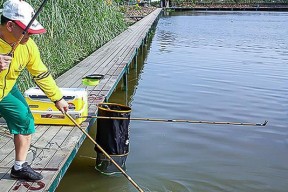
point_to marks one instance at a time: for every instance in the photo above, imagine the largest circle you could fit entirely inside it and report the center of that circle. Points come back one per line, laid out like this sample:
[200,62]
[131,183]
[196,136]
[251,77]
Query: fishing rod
[105,153]
[178,121]
[27,27]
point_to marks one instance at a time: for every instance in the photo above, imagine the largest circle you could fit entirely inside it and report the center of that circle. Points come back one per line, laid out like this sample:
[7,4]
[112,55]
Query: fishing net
[113,136]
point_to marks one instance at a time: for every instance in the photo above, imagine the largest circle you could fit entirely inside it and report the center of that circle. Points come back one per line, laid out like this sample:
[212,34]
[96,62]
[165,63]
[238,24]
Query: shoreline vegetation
[229,5]
[133,13]
[77,28]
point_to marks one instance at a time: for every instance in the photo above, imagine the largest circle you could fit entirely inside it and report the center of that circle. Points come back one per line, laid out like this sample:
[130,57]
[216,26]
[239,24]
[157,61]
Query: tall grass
[75,29]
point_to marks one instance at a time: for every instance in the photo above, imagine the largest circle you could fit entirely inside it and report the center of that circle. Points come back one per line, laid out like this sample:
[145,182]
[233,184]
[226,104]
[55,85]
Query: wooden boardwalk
[54,147]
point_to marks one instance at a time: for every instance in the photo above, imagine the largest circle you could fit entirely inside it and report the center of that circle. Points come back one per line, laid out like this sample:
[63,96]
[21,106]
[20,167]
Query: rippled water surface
[214,66]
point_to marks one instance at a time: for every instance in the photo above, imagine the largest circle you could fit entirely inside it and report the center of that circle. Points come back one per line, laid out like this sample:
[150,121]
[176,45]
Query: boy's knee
[24,118]
[24,124]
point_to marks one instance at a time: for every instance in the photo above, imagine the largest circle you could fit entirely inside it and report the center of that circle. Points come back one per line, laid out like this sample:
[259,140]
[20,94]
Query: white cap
[21,13]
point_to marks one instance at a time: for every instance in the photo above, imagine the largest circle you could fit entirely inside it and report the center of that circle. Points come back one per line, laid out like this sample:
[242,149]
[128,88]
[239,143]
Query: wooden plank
[58,159]
[67,161]
[106,64]
[9,158]
[8,161]
[5,182]
[86,69]
[39,185]
[5,139]
[132,37]
[7,153]
[58,146]
[39,152]
[54,147]
[77,81]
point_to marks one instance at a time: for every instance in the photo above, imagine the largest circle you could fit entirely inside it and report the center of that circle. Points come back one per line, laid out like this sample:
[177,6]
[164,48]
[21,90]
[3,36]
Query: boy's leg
[18,116]
[22,140]
[22,144]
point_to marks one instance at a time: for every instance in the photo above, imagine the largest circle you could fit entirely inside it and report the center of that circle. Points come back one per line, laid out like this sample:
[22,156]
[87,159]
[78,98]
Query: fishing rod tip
[262,124]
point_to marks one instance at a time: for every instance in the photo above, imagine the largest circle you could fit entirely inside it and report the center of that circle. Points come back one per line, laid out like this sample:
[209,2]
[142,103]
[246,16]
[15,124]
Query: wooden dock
[54,147]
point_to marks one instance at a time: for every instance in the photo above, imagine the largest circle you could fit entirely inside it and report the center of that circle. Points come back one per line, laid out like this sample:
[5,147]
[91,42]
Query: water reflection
[82,168]
[217,67]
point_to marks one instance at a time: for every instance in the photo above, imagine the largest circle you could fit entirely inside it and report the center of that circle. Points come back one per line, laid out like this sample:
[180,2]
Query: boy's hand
[5,61]
[62,105]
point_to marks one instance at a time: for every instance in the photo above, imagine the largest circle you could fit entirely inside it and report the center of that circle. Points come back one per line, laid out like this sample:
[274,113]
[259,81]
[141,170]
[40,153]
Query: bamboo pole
[106,154]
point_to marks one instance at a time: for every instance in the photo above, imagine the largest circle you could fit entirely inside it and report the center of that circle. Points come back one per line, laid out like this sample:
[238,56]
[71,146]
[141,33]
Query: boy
[16,15]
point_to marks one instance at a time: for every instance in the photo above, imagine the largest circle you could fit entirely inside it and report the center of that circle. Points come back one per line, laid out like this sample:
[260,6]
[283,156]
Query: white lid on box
[75,92]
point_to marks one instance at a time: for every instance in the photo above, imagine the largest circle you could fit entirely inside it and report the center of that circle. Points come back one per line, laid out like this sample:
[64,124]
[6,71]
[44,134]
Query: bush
[75,29]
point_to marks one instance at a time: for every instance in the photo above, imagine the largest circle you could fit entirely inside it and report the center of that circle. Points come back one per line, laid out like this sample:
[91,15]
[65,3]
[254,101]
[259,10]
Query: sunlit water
[214,66]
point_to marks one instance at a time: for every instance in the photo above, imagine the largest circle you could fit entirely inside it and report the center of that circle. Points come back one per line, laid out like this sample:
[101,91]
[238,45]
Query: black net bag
[113,136]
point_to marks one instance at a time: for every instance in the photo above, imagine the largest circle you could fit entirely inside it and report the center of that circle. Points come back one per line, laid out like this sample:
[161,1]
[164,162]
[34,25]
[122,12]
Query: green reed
[75,29]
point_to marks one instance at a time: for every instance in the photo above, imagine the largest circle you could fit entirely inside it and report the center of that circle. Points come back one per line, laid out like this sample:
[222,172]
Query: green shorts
[15,110]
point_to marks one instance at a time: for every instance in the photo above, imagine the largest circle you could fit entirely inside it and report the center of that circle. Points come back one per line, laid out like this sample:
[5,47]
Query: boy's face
[16,32]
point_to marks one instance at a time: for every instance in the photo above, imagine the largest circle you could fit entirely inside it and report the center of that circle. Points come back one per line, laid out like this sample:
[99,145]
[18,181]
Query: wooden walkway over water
[54,147]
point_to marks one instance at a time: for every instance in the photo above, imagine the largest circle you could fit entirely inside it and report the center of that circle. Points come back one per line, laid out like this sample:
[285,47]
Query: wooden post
[125,80]
[135,59]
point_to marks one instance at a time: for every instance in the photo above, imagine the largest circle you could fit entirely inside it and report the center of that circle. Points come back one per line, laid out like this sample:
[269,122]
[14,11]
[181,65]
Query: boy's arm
[44,79]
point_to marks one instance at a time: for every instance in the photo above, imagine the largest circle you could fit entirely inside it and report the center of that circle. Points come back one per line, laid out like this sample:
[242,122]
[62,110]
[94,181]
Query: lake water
[214,66]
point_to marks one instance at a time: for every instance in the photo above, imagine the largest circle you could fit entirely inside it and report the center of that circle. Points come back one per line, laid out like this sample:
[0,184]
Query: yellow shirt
[28,56]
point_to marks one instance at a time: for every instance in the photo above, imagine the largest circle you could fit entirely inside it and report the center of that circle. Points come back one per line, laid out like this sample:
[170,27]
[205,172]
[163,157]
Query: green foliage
[155,3]
[122,9]
[137,7]
[75,29]
[121,2]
